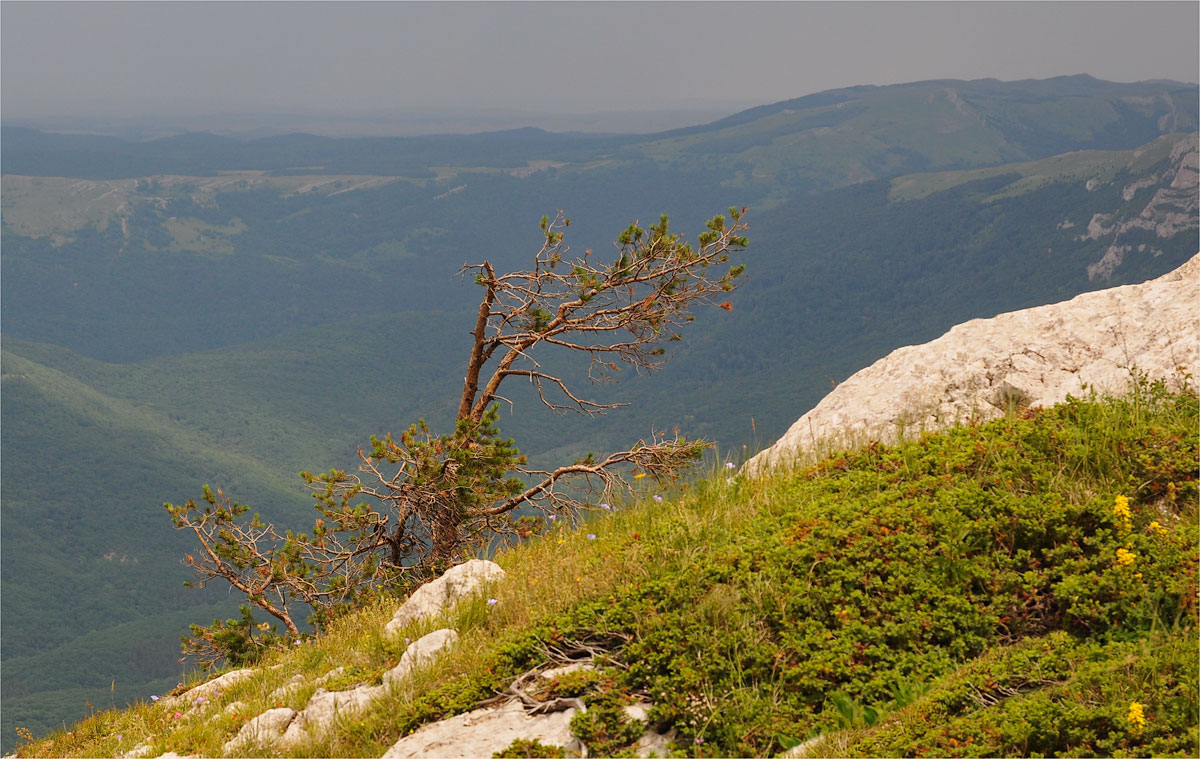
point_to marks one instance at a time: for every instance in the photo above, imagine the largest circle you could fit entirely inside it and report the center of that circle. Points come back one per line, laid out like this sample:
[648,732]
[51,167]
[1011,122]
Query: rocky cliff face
[1171,210]
[1036,357]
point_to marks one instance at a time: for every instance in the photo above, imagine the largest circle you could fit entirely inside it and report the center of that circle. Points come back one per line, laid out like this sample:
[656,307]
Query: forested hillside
[205,310]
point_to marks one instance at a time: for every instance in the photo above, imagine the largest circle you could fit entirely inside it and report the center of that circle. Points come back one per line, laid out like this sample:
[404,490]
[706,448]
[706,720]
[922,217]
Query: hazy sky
[167,57]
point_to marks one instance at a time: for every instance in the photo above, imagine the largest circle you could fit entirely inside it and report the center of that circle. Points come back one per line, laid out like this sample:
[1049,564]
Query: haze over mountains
[202,309]
[412,121]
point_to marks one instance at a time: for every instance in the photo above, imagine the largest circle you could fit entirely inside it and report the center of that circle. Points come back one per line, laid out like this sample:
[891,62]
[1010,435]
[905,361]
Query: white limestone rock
[140,751]
[1034,357]
[331,674]
[651,743]
[283,692]
[326,706]
[208,690]
[424,651]
[437,596]
[485,731]
[260,732]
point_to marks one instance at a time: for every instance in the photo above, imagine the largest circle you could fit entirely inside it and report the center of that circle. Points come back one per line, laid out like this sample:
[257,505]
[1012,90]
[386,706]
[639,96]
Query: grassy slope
[958,594]
[304,399]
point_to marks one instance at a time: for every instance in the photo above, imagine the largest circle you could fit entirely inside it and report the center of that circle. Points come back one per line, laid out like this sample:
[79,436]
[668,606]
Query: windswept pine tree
[424,500]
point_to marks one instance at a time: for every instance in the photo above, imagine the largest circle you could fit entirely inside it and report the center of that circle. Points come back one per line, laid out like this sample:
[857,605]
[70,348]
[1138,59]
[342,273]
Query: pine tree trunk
[445,536]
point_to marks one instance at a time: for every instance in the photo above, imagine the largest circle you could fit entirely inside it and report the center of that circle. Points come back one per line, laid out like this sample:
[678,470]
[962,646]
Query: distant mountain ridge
[1125,115]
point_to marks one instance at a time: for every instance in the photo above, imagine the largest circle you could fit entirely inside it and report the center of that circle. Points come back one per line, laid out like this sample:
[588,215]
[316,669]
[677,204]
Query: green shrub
[879,571]
[605,728]
[1054,696]
[523,749]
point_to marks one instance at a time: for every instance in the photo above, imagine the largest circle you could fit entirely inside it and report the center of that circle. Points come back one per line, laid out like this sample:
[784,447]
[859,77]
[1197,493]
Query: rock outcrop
[205,692]
[490,729]
[1172,210]
[424,651]
[434,597]
[485,731]
[983,368]
[285,728]
[261,732]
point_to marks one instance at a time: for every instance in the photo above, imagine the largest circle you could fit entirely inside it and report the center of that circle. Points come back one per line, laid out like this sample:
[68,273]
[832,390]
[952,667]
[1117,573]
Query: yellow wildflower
[1122,513]
[1125,557]
[1137,719]
[1157,528]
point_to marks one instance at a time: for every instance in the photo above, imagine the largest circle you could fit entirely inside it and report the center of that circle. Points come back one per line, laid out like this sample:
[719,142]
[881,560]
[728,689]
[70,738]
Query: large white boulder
[1035,357]
[441,594]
